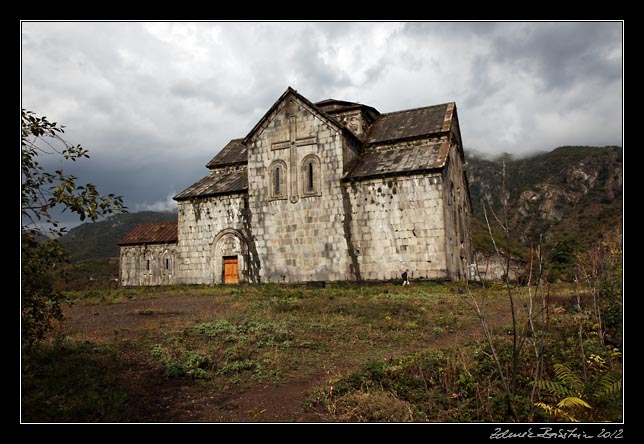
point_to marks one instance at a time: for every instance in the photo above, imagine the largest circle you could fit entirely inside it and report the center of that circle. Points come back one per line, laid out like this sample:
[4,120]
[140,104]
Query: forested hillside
[566,199]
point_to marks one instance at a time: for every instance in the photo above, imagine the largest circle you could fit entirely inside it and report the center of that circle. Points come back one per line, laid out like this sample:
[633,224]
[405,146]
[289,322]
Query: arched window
[311,179]
[278,175]
[276,182]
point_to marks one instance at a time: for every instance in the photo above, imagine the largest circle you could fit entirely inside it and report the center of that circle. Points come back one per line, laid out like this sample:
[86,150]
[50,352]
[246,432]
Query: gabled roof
[151,233]
[400,160]
[226,181]
[234,153]
[315,109]
[420,125]
[411,123]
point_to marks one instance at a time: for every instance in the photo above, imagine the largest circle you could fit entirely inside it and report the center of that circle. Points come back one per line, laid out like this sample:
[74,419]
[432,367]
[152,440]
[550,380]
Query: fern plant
[574,393]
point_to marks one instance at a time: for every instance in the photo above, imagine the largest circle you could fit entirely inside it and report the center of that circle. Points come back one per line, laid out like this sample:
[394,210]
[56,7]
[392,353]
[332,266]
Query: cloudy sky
[155,101]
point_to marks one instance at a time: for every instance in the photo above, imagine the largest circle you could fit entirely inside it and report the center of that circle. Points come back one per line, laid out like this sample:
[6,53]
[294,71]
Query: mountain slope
[568,197]
[98,239]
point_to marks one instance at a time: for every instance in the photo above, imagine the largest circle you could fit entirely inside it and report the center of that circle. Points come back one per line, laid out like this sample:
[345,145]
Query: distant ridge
[98,239]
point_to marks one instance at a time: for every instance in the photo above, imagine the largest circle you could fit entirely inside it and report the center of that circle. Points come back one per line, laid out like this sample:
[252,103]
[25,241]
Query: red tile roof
[151,233]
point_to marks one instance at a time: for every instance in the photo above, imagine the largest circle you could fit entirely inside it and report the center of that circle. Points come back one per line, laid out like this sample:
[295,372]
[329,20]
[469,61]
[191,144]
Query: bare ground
[155,398]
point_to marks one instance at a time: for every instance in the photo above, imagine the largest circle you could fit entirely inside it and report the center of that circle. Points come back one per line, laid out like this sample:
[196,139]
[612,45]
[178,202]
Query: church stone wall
[298,236]
[149,264]
[457,217]
[397,224]
[200,222]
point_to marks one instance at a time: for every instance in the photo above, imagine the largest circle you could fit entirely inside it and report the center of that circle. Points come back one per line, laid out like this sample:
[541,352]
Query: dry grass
[236,342]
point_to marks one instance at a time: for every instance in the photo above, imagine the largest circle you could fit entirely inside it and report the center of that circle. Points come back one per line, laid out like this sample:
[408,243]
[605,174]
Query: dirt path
[176,401]
[155,398]
[159,399]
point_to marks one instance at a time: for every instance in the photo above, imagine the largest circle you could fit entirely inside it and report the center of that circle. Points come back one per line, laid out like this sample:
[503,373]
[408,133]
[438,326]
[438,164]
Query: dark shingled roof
[235,152]
[229,165]
[410,123]
[226,181]
[394,161]
[151,233]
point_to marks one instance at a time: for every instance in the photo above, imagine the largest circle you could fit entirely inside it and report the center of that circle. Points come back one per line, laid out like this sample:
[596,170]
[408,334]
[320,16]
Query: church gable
[297,151]
[288,105]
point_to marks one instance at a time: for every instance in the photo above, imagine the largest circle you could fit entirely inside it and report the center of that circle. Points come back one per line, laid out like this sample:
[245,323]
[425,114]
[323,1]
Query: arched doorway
[230,253]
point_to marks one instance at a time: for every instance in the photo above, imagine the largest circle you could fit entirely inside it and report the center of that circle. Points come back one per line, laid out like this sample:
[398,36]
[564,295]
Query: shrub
[373,406]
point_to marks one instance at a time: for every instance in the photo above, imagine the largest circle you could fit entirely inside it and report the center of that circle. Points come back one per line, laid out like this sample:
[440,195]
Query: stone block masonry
[148,264]
[397,224]
[200,222]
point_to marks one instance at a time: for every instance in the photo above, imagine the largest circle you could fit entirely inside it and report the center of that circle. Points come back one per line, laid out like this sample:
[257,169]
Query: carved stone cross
[291,144]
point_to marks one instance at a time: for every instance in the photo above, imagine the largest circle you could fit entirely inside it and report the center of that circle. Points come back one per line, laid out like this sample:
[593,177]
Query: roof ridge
[416,109]
[325,101]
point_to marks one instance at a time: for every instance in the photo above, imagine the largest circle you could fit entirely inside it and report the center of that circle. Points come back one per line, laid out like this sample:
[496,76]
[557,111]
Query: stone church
[326,191]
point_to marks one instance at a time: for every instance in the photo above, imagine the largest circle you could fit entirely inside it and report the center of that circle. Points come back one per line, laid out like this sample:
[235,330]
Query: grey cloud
[562,53]
[155,103]
[451,30]
[312,71]
[480,84]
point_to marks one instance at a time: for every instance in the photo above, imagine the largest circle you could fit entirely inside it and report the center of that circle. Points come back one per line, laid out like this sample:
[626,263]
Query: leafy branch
[41,192]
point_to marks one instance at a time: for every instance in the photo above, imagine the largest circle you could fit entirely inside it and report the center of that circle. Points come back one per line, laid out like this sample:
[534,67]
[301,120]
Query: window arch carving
[278,180]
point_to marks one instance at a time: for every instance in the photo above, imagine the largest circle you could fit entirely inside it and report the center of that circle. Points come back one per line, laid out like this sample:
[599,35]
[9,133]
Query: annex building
[326,191]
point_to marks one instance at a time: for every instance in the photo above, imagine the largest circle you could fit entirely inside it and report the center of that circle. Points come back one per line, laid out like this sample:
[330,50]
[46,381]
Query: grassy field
[275,353]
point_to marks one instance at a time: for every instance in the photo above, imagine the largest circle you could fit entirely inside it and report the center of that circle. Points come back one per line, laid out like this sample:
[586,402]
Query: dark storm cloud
[154,102]
[563,53]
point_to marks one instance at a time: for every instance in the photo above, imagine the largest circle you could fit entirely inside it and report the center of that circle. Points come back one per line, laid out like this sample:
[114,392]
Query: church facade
[326,191]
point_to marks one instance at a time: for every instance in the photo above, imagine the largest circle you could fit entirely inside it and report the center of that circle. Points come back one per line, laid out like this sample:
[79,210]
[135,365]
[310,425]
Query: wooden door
[231,275]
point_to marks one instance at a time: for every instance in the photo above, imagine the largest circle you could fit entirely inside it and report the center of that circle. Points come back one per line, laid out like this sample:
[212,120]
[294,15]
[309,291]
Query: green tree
[42,191]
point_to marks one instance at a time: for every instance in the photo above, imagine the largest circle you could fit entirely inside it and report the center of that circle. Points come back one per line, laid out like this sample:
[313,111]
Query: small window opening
[277,181]
[310,182]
